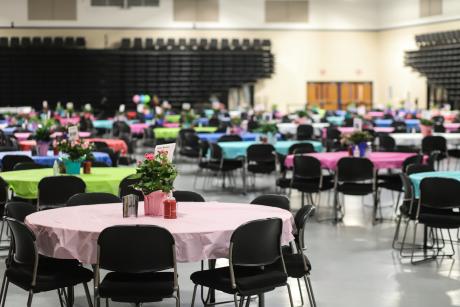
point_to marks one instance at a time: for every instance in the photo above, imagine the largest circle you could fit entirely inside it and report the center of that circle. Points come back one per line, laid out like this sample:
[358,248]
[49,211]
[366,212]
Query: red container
[87,167]
[170,208]
[56,151]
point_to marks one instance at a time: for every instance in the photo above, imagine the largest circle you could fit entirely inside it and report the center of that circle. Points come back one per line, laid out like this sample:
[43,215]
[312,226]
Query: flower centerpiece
[43,138]
[188,118]
[426,126]
[268,130]
[358,139]
[156,175]
[75,153]
[236,125]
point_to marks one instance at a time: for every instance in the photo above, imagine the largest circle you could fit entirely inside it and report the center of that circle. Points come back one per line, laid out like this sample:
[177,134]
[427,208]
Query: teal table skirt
[416,179]
[233,150]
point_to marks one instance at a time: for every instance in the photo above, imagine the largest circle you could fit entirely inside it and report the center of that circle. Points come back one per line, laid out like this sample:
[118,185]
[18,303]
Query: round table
[417,178]
[117,145]
[451,126]
[214,137]
[381,160]
[22,136]
[415,139]
[138,128]
[172,133]
[201,231]
[234,150]
[101,179]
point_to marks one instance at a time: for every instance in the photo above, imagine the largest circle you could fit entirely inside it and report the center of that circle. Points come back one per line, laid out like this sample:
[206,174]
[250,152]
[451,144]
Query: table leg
[262,300]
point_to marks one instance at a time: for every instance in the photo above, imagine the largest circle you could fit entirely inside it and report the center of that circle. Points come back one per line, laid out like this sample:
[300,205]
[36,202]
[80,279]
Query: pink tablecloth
[116,144]
[69,121]
[202,230]
[171,125]
[381,160]
[138,128]
[21,136]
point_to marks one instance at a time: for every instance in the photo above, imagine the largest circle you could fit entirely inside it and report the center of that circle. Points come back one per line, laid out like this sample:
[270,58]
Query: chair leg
[29,299]
[311,296]
[303,199]
[4,290]
[194,294]
[300,291]
[61,302]
[178,297]
[235,299]
[290,295]
[248,301]
[413,243]
[88,295]
[242,301]
[396,235]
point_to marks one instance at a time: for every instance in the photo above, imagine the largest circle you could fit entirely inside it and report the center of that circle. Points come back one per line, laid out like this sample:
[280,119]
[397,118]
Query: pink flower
[149,156]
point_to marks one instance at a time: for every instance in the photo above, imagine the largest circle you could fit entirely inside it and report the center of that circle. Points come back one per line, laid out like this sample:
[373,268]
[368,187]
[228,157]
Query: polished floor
[353,263]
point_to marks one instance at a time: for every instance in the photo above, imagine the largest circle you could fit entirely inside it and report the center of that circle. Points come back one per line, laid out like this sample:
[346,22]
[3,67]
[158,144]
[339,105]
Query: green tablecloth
[171,133]
[233,150]
[101,179]
[173,118]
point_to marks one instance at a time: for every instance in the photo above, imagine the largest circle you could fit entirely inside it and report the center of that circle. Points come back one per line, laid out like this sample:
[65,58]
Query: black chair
[400,127]
[435,144]
[305,132]
[99,164]
[82,199]
[230,138]
[54,191]
[188,196]
[4,188]
[190,145]
[125,188]
[386,143]
[436,193]
[9,161]
[307,178]
[333,136]
[136,277]
[261,159]
[439,128]
[354,176]
[35,273]
[18,210]
[21,166]
[218,164]
[272,200]
[301,148]
[418,168]
[253,246]
[298,265]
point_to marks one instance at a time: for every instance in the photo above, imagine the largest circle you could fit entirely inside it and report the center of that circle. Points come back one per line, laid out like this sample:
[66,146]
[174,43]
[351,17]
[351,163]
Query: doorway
[339,95]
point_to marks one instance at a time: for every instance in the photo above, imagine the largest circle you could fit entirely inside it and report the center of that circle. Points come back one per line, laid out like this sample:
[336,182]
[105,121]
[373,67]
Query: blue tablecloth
[335,120]
[233,150]
[383,122]
[202,121]
[213,137]
[412,124]
[417,178]
[9,130]
[49,160]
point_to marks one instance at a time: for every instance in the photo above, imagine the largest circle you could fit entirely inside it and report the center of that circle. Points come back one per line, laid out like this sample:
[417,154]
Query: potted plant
[268,130]
[358,140]
[426,126]
[156,175]
[43,138]
[188,118]
[236,125]
[75,153]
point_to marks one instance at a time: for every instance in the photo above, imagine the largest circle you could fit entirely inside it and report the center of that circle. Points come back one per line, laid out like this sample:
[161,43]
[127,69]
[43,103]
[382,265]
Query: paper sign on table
[168,148]
[358,124]
[73,133]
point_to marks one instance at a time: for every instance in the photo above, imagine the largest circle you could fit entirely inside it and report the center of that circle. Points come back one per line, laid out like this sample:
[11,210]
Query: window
[126,3]
[119,3]
[150,3]
[52,9]
[286,10]
[196,10]
[430,8]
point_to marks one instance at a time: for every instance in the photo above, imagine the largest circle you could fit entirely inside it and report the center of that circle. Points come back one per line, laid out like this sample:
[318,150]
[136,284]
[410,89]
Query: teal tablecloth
[335,120]
[233,150]
[417,178]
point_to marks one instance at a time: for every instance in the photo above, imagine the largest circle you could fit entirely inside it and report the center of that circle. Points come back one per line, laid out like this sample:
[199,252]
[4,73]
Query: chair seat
[190,152]
[52,274]
[390,182]
[250,281]
[227,166]
[435,220]
[137,288]
[454,153]
[352,188]
[283,183]
[262,167]
[294,265]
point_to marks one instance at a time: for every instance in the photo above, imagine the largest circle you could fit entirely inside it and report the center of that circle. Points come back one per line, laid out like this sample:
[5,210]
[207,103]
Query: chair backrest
[301,148]
[418,168]
[261,153]
[100,146]
[136,249]
[415,159]
[353,169]
[332,133]
[92,199]
[3,191]
[9,161]
[56,190]
[407,188]
[216,151]
[230,138]
[433,143]
[25,249]
[21,166]
[18,210]
[256,243]
[305,132]
[437,192]
[272,200]
[125,188]
[439,128]
[400,127]
[387,143]
[191,140]
[306,167]
[188,196]
[301,218]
